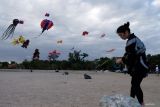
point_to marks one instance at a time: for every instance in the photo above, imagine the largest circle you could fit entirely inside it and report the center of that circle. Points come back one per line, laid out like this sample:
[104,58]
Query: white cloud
[156,3]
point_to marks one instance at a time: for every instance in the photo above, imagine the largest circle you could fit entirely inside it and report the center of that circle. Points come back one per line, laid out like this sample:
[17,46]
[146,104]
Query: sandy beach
[51,89]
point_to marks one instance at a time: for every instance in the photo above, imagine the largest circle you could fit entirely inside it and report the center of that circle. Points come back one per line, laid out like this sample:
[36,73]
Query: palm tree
[84,55]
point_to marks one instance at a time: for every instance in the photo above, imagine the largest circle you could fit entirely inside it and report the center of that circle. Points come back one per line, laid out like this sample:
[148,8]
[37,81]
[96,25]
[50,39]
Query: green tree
[5,64]
[84,55]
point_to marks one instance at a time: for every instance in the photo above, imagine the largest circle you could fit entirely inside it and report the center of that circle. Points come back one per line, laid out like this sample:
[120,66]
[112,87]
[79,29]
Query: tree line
[76,61]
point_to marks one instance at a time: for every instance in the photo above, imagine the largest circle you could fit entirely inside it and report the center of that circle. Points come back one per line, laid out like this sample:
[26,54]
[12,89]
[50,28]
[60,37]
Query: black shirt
[135,57]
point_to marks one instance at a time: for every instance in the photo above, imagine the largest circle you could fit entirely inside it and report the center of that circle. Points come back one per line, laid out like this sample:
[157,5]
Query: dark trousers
[136,89]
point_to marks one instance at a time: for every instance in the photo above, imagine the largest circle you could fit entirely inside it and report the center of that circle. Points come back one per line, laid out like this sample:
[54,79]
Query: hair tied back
[126,25]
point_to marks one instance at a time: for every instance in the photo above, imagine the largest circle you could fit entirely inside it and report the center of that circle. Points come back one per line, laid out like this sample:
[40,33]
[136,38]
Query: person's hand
[119,61]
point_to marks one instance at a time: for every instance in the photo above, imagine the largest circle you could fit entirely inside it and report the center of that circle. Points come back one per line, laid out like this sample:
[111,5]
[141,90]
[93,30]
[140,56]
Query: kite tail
[43,31]
[40,34]
[7,31]
[10,32]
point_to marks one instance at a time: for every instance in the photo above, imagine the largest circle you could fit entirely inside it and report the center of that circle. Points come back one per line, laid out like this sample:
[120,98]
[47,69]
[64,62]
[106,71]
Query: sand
[51,89]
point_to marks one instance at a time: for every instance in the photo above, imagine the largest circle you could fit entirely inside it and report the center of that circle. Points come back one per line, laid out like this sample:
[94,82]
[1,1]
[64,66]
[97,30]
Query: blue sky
[71,18]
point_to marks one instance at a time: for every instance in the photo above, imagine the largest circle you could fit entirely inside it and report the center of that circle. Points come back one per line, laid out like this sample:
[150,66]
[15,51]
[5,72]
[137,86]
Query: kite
[25,44]
[46,24]
[47,14]
[111,50]
[36,54]
[85,33]
[53,55]
[54,52]
[15,42]
[19,40]
[10,30]
[103,35]
[60,41]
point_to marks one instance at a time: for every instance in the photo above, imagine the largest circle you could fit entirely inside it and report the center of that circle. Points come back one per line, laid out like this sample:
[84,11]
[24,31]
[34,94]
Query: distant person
[31,70]
[121,67]
[135,60]
[56,70]
[157,70]
[125,70]
[66,73]
[36,54]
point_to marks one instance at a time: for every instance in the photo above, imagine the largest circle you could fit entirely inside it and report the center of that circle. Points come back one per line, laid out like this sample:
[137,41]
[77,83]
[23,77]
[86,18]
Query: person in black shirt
[135,60]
